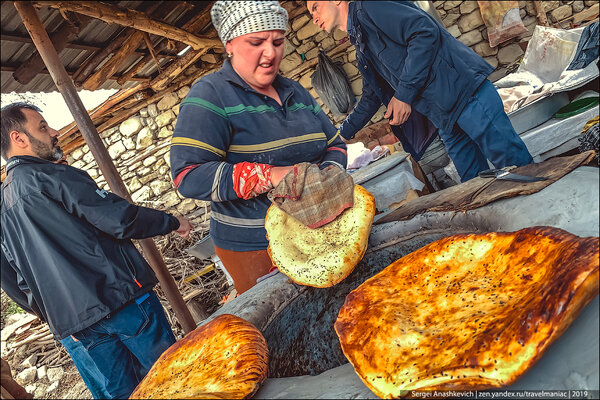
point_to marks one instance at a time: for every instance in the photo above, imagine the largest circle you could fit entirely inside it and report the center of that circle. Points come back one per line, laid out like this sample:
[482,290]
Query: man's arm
[111,214]
[406,25]
[367,106]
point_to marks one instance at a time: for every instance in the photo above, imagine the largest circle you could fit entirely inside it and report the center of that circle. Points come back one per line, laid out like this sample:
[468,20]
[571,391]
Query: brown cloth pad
[480,191]
[313,196]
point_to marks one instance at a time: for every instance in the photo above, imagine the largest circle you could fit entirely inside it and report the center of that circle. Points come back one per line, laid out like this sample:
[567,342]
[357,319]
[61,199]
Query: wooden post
[65,85]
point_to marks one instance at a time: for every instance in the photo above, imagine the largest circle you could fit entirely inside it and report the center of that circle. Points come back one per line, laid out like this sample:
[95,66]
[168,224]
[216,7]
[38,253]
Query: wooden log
[198,310]
[152,51]
[102,108]
[75,44]
[128,47]
[99,77]
[66,33]
[38,336]
[173,70]
[137,67]
[131,18]
[586,15]
[117,119]
[541,13]
[9,68]
[196,23]
[86,70]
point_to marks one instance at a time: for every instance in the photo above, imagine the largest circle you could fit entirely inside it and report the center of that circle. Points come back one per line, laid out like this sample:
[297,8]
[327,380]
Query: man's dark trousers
[483,131]
[126,344]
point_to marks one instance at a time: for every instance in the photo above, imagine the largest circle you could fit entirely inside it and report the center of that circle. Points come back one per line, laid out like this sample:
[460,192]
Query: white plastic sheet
[543,69]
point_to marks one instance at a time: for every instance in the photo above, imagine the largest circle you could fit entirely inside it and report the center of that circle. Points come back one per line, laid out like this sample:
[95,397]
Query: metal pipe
[65,85]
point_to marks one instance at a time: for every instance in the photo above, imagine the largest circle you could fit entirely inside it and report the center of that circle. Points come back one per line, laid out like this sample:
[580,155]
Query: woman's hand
[277,174]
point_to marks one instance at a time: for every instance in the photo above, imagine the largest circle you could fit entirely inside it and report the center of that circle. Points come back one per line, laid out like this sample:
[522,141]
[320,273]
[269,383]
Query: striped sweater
[223,121]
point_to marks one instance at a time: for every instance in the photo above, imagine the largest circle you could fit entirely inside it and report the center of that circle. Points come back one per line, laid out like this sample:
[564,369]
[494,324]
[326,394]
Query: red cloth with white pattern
[251,179]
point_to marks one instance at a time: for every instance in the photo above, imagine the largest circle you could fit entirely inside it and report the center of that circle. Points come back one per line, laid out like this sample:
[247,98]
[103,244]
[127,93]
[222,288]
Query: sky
[54,109]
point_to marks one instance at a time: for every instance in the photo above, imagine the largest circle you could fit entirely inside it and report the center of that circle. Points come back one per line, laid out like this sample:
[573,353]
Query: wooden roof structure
[144,49]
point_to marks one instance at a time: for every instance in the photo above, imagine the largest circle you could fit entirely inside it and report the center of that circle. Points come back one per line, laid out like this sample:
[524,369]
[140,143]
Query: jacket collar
[231,76]
[352,20]
[17,160]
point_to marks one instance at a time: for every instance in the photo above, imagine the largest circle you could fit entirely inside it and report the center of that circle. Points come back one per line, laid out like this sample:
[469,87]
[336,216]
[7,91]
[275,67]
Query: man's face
[43,140]
[325,14]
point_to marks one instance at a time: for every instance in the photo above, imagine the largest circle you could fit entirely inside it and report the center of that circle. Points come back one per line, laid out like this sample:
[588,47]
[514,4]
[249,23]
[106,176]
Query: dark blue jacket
[68,243]
[403,52]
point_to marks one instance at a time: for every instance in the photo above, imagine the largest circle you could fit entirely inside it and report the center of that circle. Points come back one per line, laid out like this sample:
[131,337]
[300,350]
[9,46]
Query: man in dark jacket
[69,244]
[408,61]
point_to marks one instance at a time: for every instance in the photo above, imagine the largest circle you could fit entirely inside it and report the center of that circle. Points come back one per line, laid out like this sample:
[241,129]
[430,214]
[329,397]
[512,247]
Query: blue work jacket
[403,52]
[66,249]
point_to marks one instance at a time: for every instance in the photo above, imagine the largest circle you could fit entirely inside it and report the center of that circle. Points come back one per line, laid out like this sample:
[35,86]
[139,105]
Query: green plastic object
[576,107]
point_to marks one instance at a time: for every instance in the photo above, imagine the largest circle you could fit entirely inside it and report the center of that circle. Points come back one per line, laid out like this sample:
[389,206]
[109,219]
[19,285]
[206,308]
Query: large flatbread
[323,256]
[468,312]
[224,359]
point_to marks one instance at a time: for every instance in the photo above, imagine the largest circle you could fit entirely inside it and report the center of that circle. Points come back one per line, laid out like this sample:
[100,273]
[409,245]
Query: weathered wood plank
[99,77]
[131,18]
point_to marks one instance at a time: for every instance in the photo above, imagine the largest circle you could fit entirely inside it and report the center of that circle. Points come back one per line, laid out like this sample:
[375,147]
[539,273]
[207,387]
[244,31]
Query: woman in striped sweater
[240,130]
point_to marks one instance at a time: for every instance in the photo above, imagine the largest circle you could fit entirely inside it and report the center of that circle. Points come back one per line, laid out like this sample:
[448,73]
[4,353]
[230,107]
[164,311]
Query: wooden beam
[541,13]
[65,85]
[114,63]
[143,79]
[66,33]
[131,18]
[152,52]
[117,119]
[103,107]
[137,67]
[75,44]
[87,68]
[195,23]
[173,70]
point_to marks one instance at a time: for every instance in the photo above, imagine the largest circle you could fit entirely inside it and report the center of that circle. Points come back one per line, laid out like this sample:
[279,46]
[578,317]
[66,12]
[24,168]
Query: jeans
[92,377]
[484,132]
[125,344]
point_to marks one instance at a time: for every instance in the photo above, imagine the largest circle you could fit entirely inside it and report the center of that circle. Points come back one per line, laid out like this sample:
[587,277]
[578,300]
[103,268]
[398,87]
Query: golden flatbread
[224,359]
[324,256]
[468,312]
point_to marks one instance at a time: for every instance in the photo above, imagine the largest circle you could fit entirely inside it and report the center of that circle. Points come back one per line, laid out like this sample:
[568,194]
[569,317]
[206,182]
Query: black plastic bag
[331,84]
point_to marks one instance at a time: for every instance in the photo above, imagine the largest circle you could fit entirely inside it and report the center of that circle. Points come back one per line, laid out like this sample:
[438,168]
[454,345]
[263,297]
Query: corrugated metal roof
[97,33]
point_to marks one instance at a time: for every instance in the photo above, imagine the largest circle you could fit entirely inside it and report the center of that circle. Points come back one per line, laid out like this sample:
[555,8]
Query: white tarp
[543,69]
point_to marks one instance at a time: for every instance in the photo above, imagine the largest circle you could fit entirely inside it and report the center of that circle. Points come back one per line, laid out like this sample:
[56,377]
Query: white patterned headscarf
[235,18]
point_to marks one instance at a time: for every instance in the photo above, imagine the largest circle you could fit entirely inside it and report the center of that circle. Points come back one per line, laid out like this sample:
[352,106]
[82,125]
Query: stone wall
[463,20]
[140,145]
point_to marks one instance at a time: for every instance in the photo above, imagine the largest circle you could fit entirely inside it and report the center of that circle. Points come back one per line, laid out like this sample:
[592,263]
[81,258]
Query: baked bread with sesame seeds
[324,256]
[224,359]
[468,312]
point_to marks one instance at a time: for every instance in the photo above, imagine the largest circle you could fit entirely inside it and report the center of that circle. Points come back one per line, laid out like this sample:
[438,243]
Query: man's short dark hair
[13,119]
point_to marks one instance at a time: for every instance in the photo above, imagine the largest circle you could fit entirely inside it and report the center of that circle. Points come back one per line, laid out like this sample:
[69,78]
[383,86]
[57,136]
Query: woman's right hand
[277,174]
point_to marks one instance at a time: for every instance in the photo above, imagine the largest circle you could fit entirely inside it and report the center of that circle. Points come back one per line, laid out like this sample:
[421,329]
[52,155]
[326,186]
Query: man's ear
[18,139]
